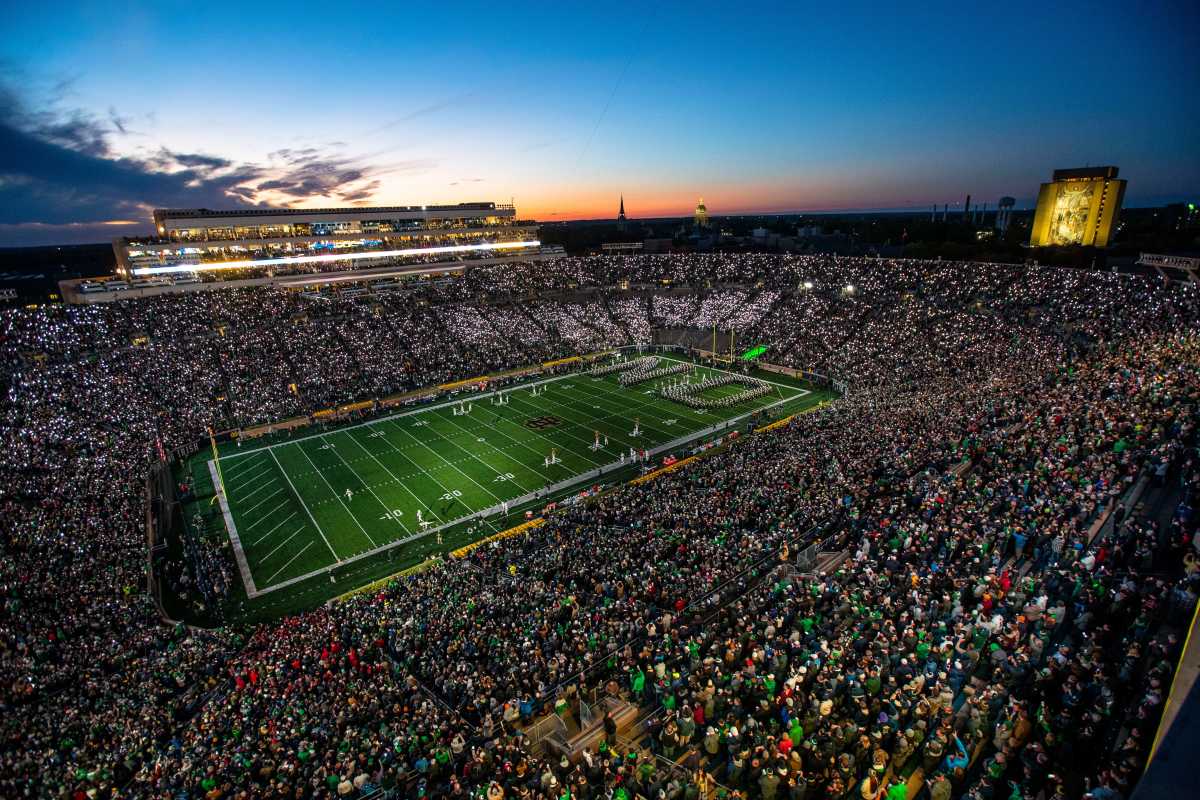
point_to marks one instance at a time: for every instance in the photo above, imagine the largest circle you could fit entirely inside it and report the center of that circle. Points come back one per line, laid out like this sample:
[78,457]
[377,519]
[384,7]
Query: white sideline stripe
[239,555]
[268,515]
[271,482]
[293,558]
[271,496]
[277,527]
[295,533]
[303,505]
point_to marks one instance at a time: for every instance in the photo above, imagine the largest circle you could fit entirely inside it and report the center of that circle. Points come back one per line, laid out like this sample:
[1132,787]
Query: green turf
[294,522]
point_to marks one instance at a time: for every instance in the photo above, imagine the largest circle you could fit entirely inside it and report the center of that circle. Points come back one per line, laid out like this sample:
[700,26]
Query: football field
[299,507]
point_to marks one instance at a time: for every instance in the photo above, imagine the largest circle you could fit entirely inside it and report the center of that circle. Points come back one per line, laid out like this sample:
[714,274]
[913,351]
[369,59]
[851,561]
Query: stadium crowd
[1004,625]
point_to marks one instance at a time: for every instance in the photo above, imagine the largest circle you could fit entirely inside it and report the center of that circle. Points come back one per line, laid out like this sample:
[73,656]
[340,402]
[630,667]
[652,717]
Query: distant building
[1078,207]
[621,215]
[701,216]
[1004,214]
[617,248]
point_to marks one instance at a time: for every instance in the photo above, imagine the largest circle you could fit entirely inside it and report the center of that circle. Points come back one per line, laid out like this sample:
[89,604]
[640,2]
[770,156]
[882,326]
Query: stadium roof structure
[349,211]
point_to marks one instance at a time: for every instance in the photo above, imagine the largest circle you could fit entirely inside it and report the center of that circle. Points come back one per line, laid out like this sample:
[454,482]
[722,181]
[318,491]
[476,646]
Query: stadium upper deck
[202,240]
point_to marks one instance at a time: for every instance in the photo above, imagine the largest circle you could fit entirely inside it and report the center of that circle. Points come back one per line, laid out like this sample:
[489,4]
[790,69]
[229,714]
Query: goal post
[219,488]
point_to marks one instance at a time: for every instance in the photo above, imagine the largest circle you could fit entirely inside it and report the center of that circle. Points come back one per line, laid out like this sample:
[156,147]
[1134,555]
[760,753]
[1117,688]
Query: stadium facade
[280,238]
[193,249]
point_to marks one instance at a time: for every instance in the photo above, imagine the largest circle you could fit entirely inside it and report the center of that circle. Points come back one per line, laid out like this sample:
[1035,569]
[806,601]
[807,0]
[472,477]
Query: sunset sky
[109,110]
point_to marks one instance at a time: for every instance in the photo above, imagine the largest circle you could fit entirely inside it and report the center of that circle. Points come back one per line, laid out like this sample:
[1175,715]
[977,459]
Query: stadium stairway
[616,320]
[499,333]
[565,733]
[551,335]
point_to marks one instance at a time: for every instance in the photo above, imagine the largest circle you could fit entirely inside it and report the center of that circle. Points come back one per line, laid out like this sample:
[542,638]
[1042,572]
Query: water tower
[1004,213]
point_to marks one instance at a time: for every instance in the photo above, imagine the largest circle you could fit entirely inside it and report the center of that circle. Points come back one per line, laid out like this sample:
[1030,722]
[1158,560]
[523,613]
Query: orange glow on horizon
[554,202]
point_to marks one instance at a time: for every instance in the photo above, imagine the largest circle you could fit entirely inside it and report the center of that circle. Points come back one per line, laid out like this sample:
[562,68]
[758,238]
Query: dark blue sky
[108,110]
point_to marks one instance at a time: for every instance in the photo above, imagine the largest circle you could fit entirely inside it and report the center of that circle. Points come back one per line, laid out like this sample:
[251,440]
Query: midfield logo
[542,423]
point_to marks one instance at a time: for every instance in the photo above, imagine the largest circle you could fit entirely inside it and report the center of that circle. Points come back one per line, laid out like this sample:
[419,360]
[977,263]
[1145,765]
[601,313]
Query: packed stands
[1008,485]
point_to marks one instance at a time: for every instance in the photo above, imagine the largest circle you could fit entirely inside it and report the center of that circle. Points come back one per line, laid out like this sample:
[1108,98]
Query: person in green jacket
[637,684]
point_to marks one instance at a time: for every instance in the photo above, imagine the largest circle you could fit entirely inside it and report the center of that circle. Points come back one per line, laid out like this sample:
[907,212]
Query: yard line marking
[520,443]
[591,420]
[269,515]
[290,560]
[295,533]
[260,502]
[251,478]
[256,491]
[427,471]
[277,527]
[626,412]
[568,451]
[400,481]
[386,508]
[243,485]
[443,458]
[698,415]
[250,453]
[566,430]
[335,494]
[239,469]
[306,511]
[513,481]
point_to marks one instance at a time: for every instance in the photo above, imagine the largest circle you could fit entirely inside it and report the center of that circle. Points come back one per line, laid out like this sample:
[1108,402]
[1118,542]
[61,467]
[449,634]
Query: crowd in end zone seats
[1004,625]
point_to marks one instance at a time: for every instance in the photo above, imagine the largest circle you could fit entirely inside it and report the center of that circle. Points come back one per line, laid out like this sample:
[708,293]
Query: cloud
[119,122]
[361,194]
[198,160]
[294,156]
[70,178]
[61,172]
